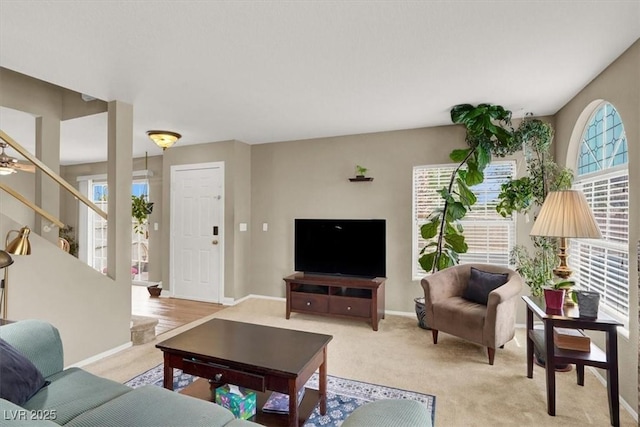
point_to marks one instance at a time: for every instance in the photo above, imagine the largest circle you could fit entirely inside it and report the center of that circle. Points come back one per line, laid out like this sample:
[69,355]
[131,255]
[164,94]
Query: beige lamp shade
[566,214]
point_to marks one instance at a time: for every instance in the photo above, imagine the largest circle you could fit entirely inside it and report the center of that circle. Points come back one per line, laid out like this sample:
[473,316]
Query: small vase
[554,299]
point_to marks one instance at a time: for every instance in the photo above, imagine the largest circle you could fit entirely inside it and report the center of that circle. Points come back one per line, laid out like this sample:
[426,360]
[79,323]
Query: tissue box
[243,406]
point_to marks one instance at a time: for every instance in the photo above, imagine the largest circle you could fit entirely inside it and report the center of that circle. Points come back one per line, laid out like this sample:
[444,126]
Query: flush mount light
[163,138]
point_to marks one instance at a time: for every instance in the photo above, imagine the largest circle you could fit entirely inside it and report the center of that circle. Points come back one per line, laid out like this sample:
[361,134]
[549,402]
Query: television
[344,247]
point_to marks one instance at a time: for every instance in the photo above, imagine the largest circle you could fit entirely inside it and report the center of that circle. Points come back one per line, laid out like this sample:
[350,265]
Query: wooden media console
[352,297]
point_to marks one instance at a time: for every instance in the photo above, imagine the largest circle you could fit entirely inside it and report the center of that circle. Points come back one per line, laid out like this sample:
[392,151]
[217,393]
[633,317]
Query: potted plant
[155,290]
[68,234]
[554,294]
[489,133]
[360,171]
[140,210]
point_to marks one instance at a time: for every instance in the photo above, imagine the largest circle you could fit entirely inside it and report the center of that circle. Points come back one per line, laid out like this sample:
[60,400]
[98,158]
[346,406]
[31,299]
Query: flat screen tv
[345,247]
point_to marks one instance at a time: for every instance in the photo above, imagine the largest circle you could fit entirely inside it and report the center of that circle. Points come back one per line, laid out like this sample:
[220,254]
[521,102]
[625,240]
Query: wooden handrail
[57,178]
[32,205]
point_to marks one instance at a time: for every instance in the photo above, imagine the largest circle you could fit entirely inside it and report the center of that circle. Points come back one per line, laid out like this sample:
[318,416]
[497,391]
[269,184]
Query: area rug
[343,395]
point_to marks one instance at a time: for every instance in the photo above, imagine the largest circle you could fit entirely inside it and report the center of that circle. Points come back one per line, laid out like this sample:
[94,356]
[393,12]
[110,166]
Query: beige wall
[91,311]
[307,179]
[236,157]
[619,84]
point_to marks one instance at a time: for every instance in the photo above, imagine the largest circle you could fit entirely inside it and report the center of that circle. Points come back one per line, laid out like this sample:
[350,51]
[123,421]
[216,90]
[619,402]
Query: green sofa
[76,398]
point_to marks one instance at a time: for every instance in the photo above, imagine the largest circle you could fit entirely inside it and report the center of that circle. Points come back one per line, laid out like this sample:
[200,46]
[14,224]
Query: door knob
[214,242]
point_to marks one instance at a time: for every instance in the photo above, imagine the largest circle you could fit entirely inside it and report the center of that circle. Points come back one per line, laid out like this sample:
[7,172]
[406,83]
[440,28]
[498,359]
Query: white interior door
[197,238]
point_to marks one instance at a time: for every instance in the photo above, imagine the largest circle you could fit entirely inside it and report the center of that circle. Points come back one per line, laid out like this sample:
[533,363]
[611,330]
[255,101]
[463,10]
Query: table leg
[529,343]
[167,382]
[580,373]
[323,382]
[550,368]
[288,303]
[293,404]
[612,377]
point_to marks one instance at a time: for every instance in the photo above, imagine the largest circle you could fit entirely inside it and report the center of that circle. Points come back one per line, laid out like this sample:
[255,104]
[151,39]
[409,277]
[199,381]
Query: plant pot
[554,299]
[421,313]
[588,302]
[154,290]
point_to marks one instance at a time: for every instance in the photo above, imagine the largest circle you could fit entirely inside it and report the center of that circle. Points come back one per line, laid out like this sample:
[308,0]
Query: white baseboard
[99,356]
[623,402]
[401,313]
[248,297]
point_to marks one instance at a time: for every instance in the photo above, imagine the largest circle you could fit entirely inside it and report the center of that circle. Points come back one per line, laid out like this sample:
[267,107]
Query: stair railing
[57,178]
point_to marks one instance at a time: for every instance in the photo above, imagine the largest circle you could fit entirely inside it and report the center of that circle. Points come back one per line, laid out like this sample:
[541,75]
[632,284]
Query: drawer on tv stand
[349,306]
[316,303]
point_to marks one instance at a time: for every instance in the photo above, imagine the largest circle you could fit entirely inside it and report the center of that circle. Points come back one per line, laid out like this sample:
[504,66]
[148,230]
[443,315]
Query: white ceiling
[264,71]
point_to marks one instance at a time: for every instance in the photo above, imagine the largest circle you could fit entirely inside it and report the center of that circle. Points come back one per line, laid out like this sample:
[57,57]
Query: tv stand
[349,297]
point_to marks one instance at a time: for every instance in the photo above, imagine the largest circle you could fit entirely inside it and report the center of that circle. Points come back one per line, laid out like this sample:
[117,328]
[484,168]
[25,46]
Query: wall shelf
[361,179]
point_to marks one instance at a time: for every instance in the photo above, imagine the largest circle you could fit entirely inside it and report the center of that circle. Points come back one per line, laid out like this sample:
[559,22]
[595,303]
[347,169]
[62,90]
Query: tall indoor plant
[489,133]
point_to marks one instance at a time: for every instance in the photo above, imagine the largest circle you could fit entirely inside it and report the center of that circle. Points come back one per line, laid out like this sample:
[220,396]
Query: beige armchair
[491,325]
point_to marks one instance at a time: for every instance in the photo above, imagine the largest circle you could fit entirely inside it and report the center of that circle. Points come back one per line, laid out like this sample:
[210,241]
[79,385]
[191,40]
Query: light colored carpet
[469,391]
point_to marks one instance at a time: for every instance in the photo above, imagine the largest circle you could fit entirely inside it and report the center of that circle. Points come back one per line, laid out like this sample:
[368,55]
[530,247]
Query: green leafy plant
[361,170]
[544,175]
[536,269]
[140,210]
[68,234]
[523,194]
[488,133]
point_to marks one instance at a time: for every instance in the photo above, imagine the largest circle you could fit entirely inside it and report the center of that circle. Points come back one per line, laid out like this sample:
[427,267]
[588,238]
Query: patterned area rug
[343,396]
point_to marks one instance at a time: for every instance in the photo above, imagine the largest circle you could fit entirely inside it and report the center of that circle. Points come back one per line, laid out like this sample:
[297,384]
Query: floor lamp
[5,261]
[18,246]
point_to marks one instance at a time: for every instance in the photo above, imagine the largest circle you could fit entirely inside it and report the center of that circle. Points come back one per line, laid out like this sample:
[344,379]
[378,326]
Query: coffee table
[257,357]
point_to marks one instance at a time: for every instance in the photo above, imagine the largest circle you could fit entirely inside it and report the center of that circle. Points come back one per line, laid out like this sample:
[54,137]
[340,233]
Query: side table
[569,317]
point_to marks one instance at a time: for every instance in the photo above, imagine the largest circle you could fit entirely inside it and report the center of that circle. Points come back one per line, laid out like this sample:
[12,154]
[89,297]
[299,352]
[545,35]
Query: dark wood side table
[569,317]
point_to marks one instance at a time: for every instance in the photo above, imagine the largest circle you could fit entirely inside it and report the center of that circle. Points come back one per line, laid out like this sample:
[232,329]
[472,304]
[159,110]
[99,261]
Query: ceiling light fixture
[7,163]
[163,139]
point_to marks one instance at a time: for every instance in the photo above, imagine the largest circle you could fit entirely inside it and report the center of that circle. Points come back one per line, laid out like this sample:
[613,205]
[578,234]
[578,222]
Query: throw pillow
[481,283]
[19,377]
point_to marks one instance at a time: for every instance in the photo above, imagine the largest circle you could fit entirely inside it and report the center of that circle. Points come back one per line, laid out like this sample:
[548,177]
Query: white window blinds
[603,264]
[489,236]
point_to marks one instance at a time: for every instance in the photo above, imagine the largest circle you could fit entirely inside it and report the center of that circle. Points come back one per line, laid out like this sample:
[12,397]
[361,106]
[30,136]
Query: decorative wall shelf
[361,179]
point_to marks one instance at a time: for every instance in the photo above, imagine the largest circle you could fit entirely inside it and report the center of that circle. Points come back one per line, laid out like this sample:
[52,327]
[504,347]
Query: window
[489,236]
[603,176]
[97,235]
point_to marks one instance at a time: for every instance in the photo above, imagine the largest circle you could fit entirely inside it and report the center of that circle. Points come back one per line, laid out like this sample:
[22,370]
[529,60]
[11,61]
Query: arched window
[603,176]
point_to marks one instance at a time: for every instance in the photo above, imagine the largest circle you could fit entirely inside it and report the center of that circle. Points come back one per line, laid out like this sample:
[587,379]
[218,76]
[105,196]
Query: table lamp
[565,214]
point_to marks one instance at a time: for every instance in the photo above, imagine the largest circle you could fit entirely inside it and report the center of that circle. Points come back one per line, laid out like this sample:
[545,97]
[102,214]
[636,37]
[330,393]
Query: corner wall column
[47,191]
[119,173]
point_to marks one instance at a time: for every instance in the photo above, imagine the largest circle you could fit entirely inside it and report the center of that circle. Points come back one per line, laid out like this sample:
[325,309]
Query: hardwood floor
[170,312]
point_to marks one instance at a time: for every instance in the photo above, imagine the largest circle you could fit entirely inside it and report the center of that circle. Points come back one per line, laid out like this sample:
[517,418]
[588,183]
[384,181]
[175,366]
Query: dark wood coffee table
[257,357]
